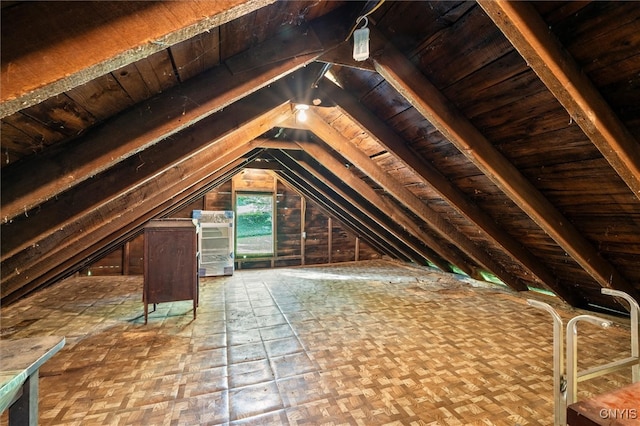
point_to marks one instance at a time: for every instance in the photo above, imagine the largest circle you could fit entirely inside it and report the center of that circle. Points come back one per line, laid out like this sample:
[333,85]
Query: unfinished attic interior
[474,156]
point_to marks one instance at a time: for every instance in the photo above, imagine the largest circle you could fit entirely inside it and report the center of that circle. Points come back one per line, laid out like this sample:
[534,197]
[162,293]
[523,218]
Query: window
[254,224]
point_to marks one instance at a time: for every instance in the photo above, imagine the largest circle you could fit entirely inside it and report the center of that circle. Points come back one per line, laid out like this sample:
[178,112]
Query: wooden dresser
[170,262]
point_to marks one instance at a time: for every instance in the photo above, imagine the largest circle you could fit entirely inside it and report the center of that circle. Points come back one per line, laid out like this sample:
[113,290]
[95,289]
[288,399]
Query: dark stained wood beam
[344,207]
[88,248]
[277,144]
[125,233]
[227,136]
[344,147]
[295,174]
[44,177]
[331,209]
[398,147]
[343,55]
[300,175]
[531,36]
[433,105]
[391,211]
[68,207]
[42,56]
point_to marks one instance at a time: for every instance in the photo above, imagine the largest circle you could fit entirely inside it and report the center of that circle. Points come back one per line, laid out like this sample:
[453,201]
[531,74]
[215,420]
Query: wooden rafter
[299,175]
[343,55]
[394,144]
[392,212]
[398,71]
[153,189]
[295,171]
[116,34]
[124,233]
[47,176]
[129,222]
[356,210]
[25,231]
[530,35]
[343,146]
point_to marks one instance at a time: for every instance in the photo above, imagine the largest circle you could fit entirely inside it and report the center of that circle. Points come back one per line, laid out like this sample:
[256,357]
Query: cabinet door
[171,265]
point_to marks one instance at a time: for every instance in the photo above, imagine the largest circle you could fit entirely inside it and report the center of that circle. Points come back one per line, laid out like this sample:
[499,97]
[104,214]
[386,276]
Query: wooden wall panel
[366,252]
[186,211]
[220,198]
[255,264]
[114,262]
[344,244]
[317,241]
[111,264]
[254,180]
[288,222]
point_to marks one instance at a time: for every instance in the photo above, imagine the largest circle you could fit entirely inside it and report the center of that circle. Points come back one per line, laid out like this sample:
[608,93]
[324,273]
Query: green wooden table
[20,361]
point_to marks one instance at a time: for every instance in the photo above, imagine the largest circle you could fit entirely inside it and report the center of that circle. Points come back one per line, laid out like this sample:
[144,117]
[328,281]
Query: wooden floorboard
[366,343]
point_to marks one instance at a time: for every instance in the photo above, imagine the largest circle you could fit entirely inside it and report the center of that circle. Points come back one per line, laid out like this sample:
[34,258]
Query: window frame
[265,194]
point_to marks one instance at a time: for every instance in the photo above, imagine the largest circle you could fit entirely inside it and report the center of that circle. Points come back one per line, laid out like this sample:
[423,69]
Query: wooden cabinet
[170,262]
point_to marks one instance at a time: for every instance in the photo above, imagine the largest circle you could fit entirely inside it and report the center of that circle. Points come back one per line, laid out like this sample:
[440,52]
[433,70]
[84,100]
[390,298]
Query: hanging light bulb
[301,113]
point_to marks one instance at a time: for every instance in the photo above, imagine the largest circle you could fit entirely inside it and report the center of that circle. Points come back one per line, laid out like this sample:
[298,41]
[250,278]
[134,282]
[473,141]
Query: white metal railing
[634,310]
[559,372]
[566,378]
[572,352]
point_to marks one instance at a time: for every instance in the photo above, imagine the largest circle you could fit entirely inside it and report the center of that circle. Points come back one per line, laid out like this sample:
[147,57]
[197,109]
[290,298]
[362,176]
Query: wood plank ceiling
[491,136]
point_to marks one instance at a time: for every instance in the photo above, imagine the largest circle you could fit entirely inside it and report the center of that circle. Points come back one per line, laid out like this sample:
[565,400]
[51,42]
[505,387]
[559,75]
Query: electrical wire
[360,18]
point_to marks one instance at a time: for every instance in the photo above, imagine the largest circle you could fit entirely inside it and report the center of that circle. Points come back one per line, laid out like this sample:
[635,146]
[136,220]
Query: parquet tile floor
[367,343]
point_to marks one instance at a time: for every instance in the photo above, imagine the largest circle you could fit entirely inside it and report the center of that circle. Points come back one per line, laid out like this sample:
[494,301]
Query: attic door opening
[254,224]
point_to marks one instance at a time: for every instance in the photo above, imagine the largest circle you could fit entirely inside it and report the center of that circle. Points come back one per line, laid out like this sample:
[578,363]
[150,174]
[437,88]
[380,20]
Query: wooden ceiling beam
[398,71]
[42,56]
[277,144]
[391,212]
[80,259]
[45,176]
[343,55]
[429,175]
[162,193]
[344,147]
[301,175]
[542,51]
[439,256]
[331,209]
[92,253]
[26,231]
[81,231]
